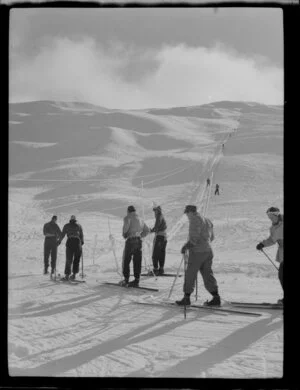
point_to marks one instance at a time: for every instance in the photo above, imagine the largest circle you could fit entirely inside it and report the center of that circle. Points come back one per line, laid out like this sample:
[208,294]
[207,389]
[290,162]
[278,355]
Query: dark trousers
[50,247]
[280,274]
[217,192]
[73,254]
[133,250]
[159,252]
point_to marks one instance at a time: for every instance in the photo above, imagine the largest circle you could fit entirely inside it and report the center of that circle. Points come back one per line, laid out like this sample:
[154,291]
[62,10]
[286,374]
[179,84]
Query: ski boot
[65,278]
[134,283]
[46,271]
[124,283]
[215,301]
[161,271]
[280,301]
[73,277]
[185,301]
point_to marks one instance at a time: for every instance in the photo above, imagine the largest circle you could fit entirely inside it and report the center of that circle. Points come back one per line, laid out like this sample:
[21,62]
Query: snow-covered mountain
[77,158]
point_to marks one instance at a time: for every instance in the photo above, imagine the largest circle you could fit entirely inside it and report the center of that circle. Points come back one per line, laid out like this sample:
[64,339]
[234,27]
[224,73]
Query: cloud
[119,76]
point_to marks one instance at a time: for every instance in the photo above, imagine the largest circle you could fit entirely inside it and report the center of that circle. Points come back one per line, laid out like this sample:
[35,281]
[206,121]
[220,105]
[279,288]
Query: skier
[74,243]
[52,235]
[159,242]
[134,229]
[208,182]
[200,257]
[217,189]
[276,236]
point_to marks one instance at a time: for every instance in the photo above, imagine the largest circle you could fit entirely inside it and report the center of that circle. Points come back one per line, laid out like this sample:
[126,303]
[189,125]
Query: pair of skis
[202,307]
[59,279]
[129,287]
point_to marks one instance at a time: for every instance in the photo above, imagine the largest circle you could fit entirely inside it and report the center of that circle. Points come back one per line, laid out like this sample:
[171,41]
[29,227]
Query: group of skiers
[197,250]
[53,238]
[217,192]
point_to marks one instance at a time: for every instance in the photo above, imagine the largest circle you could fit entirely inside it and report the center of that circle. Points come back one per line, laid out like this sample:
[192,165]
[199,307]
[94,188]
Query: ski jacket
[160,226]
[276,236]
[201,233]
[73,229]
[51,229]
[134,226]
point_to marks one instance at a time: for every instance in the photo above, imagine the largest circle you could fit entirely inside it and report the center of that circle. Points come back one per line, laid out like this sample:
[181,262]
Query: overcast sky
[147,57]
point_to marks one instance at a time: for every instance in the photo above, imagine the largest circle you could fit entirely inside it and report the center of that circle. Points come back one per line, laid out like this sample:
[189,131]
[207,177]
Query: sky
[134,58]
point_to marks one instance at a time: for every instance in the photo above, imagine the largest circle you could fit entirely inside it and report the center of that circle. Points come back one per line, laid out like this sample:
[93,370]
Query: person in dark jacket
[74,243]
[52,235]
[134,229]
[159,242]
[217,189]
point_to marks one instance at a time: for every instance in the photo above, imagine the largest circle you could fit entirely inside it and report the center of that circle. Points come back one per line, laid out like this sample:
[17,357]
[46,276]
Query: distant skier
[74,243]
[276,236]
[200,257]
[52,235]
[208,182]
[217,189]
[159,242]
[134,229]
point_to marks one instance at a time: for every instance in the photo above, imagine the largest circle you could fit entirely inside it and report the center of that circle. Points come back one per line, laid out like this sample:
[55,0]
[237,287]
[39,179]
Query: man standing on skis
[74,243]
[159,242]
[134,229]
[200,257]
[276,236]
[52,235]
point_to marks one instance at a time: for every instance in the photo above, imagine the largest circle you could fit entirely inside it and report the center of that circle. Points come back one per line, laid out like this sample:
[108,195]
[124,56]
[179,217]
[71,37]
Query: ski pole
[82,264]
[178,270]
[269,258]
[112,241]
[185,266]
[96,236]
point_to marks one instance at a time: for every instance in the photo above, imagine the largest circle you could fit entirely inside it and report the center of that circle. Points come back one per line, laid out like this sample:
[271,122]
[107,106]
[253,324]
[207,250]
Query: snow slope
[75,158]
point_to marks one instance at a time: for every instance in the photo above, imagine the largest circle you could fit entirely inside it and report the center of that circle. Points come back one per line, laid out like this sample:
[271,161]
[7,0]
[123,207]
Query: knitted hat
[72,218]
[54,217]
[157,208]
[130,209]
[190,209]
[273,211]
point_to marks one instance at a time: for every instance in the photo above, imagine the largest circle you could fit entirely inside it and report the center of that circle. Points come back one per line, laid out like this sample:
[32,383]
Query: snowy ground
[91,329]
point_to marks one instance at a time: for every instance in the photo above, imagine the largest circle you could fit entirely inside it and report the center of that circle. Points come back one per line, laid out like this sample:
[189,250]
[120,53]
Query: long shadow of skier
[66,363]
[231,345]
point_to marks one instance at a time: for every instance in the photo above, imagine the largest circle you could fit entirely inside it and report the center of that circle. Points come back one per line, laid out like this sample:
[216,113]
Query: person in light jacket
[276,237]
[200,257]
[134,229]
[159,242]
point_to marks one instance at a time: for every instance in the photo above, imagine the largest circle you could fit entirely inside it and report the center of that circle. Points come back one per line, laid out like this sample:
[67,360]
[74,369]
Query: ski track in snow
[91,329]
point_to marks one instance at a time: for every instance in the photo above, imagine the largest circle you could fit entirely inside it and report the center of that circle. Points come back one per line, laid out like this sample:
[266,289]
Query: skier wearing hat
[134,229]
[74,243]
[52,235]
[159,242]
[200,257]
[276,236]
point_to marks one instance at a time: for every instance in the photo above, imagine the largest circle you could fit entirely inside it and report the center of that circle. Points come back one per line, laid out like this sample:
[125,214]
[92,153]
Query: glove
[58,242]
[183,249]
[82,243]
[125,235]
[260,246]
[152,230]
